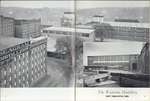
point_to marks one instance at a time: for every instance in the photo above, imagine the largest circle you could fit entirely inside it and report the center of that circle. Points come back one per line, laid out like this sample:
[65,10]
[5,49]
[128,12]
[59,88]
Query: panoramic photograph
[74,44]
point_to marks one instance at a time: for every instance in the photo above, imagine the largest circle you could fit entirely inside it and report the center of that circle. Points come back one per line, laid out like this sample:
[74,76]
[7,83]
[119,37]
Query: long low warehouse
[124,55]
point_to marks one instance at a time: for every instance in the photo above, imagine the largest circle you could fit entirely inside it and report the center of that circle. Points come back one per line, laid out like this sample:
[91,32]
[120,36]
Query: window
[134,66]
[97,80]
[85,34]
[45,31]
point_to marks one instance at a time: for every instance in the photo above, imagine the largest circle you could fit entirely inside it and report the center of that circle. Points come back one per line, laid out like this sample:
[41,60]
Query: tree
[103,30]
[63,44]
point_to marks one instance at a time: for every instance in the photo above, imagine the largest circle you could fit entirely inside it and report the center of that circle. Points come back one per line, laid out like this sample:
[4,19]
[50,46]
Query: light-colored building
[68,19]
[85,34]
[98,18]
[130,31]
[121,55]
[14,62]
[7,26]
[38,53]
[27,28]
[124,30]
[22,61]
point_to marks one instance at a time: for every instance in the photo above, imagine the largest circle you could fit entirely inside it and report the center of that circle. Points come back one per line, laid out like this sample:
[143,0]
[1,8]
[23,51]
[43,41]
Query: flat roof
[66,29]
[112,48]
[38,39]
[6,17]
[84,26]
[126,24]
[6,42]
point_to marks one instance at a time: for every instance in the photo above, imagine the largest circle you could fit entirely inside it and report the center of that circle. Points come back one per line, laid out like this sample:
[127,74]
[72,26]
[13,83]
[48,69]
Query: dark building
[127,20]
[7,26]
[25,28]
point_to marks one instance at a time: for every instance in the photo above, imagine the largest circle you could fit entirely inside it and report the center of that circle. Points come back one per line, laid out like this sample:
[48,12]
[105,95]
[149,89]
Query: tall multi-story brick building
[25,28]
[22,61]
[38,53]
[14,62]
[7,26]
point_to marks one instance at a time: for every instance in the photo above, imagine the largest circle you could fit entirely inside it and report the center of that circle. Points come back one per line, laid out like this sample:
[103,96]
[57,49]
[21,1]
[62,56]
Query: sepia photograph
[74,44]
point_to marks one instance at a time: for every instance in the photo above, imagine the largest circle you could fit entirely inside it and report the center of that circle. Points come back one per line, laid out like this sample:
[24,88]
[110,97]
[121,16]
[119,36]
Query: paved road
[59,74]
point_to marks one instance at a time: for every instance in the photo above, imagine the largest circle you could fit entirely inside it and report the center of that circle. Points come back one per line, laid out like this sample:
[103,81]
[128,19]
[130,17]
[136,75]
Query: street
[59,74]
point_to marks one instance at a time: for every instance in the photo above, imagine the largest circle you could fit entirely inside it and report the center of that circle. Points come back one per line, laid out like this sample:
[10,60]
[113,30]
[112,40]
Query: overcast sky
[70,4]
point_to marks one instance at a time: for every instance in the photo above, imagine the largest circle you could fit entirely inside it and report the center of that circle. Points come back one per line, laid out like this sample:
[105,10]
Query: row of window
[16,72]
[131,29]
[65,33]
[109,58]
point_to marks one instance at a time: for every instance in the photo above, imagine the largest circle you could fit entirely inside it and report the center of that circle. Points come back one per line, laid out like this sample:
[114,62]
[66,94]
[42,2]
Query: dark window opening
[134,66]
[98,80]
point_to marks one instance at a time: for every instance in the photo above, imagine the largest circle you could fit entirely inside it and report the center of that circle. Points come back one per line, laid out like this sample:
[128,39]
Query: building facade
[27,28]
[85,34]
[113,55]
[125,29]
[38,53]
[130,31]
[14,63]
[7,26]
[0,25]
[22,62]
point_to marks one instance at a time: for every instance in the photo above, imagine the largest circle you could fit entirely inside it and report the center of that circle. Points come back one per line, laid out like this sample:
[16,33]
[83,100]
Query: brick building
[25,28]
[123,29]
[22,61]
[7,26]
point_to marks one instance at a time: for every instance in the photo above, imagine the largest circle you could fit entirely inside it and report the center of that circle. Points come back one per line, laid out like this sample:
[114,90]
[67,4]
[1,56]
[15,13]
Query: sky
[38,4]
[70,4]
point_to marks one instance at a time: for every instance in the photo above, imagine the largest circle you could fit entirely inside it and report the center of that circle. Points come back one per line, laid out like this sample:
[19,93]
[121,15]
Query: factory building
[130,31]
[14,62]
[85,34]
[123,29]
[22,61]
[7,26]
[27,28]
[38,53]
[113,55]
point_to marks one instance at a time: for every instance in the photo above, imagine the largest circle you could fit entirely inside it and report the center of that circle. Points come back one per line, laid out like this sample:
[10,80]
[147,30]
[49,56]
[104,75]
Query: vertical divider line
[74,48]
